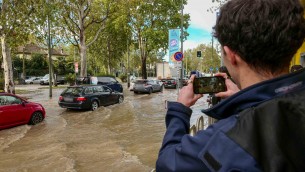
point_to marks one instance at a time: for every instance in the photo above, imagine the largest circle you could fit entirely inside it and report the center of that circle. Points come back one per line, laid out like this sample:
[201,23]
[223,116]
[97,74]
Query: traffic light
[198,53]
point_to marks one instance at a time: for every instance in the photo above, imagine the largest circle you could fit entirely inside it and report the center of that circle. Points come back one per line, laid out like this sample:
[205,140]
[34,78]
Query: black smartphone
[206,85]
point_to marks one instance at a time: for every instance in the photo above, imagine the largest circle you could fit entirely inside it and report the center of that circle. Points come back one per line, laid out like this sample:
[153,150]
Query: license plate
[68,99]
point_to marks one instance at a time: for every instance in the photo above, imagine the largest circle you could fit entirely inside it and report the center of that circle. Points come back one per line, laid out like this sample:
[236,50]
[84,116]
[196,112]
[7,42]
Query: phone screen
[205,85]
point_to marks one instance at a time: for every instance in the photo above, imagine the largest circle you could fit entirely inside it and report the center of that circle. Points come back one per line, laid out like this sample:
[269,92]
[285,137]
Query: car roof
[86,86]
[83,85]
[10,94]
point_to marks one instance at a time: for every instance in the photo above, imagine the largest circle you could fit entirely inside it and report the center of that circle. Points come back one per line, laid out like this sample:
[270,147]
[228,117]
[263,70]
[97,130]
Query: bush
[123,77]
[1,84]
[70,78]
[104,74]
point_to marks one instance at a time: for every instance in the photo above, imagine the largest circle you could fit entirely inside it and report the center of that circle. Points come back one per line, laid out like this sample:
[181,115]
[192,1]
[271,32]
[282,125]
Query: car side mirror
[23,103]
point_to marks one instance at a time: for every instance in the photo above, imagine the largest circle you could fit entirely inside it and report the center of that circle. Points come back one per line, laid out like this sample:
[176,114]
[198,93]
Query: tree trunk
[83,56]
[83,46]
[144,73]
[7,65]
[108,54]
[143,57]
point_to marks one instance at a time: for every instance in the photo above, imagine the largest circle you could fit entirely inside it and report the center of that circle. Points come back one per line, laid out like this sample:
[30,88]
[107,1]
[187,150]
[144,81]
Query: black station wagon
[89,97]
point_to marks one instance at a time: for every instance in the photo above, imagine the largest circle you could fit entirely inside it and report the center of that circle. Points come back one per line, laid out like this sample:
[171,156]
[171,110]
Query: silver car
[33,80]
[147,86]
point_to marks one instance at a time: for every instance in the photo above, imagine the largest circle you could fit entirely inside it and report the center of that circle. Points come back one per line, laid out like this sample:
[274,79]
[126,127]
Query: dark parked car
[170,83]
[147,86]
[89,97]
[101,80]
[15,110]
[184,81]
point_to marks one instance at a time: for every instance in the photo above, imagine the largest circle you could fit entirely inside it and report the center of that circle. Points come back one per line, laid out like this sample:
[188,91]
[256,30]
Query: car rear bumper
[143,90]
[170,86]
[73,105]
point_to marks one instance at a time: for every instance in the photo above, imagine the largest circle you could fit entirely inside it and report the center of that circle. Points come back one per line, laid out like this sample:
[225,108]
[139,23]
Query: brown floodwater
[121,137]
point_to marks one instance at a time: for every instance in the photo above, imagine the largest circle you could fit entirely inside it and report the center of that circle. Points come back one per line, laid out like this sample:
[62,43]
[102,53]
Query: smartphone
[206,85]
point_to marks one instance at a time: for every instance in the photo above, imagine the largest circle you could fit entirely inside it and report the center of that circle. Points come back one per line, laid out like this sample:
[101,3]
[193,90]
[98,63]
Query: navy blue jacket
[261,128]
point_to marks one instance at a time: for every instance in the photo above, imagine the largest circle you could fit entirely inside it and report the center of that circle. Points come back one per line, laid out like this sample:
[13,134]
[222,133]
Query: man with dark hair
[262,126]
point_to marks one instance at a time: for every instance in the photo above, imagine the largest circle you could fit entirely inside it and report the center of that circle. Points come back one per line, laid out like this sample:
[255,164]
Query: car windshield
[73,90]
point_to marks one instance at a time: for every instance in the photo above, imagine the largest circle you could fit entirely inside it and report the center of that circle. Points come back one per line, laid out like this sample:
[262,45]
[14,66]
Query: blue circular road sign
[178,56]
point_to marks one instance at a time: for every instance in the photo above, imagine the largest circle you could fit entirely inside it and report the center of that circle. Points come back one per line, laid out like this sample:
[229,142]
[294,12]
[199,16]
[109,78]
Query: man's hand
[231,87]
[186,95]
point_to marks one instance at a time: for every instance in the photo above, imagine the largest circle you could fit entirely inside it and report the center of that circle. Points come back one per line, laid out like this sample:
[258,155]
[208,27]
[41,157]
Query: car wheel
[94,105]
[121,99]
[150,91]
[36,118]
[31,82]
[135,92]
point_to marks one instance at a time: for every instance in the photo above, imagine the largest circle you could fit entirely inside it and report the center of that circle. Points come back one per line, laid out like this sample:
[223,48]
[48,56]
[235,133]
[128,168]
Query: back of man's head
[264,33]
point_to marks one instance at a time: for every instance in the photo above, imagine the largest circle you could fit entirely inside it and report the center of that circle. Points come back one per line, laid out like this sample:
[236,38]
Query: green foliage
[123,77]
[104,74]
[36,65]
[2,83]
[70,78]
[210,58]
[59,66]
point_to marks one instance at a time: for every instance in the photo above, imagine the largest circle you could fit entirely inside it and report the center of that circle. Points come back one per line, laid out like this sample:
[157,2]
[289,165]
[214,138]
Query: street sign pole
[181,37]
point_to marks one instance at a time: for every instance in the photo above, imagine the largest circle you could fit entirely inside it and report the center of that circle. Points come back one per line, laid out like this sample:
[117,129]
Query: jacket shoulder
[274,132]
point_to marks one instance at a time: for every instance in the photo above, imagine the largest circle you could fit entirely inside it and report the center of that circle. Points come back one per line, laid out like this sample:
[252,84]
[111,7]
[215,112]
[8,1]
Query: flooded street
[120,137]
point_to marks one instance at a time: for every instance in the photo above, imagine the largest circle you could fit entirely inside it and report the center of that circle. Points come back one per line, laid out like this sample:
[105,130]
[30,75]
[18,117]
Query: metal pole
[186,65]
[49,52]
[212,47]
[23,65]
[163,67]
[128,78]
[181,37]
[75,74]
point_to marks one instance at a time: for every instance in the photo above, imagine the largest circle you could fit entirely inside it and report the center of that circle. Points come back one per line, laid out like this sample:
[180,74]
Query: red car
[15,110]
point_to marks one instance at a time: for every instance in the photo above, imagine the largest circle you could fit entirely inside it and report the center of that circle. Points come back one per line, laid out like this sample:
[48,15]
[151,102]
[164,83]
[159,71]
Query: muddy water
[121,137]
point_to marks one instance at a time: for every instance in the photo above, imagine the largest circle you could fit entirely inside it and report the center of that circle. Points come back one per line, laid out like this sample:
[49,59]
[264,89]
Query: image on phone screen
[206,85]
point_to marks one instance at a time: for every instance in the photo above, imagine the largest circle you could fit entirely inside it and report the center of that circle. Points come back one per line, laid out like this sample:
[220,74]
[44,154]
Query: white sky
[200,20]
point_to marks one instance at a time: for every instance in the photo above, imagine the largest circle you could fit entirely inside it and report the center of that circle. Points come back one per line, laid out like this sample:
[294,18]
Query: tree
[219,3]
[37,65]
[149,21]
[79,17]
[15,23]
[108,50]
[210,58]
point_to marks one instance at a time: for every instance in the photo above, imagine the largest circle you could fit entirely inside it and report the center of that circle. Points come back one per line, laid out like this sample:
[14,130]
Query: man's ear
[230,55]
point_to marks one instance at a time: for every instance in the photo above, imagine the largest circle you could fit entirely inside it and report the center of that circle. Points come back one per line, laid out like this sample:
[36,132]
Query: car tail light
[60,98]
[81,99]
[174,82]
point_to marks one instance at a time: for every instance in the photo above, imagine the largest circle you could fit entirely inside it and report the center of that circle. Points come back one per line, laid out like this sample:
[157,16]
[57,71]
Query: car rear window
[73,90]
[140,82]
[106,79]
